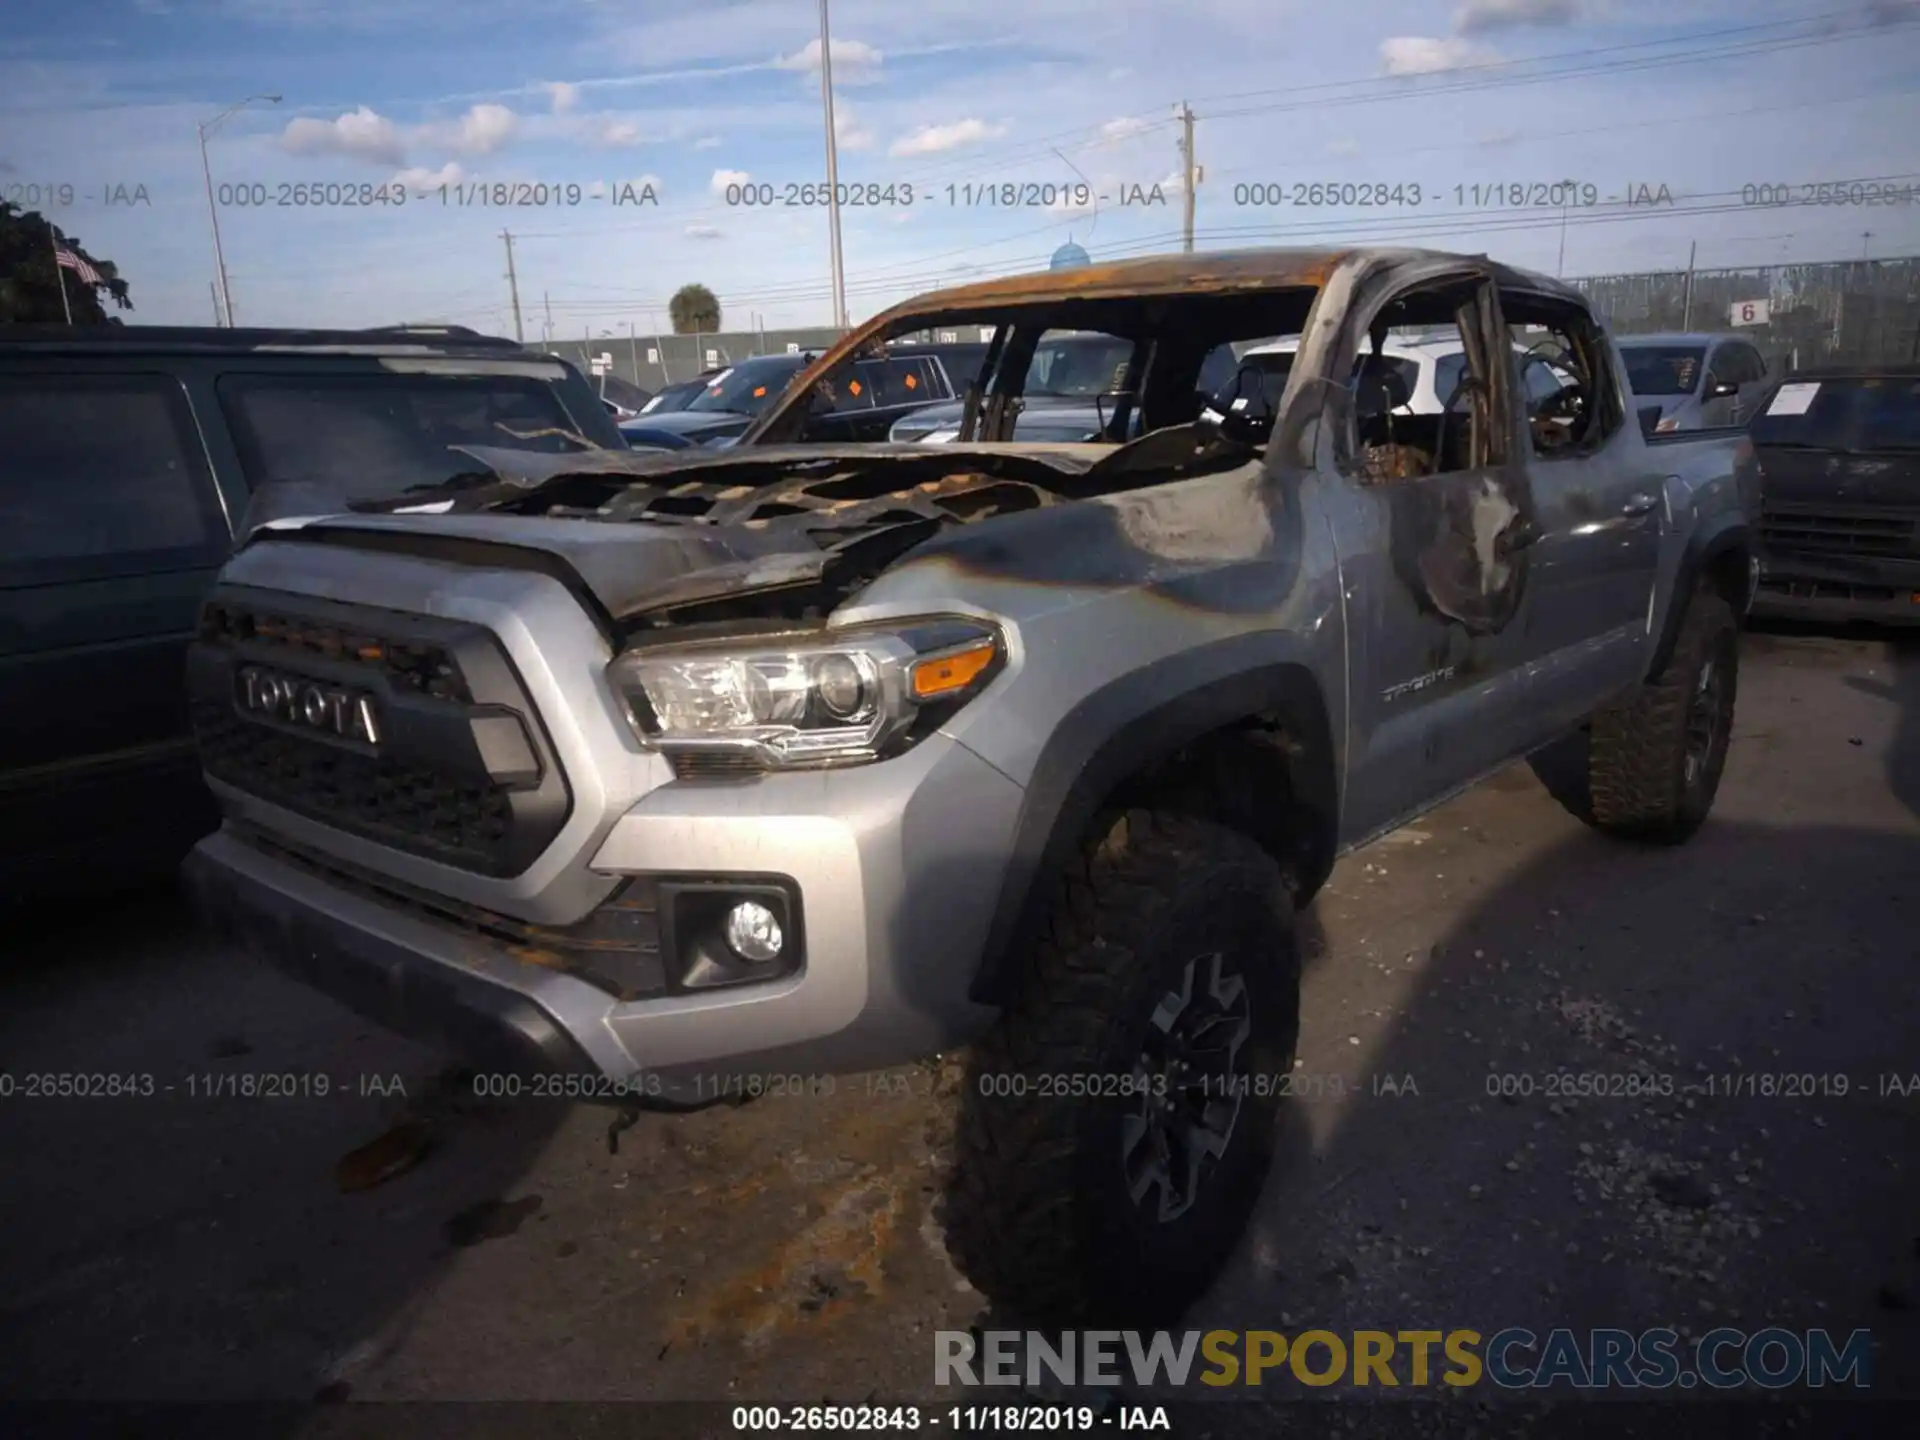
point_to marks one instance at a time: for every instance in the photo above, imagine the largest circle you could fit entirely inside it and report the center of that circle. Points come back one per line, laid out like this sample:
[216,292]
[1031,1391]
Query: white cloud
[597,190]
[848,132]
[485,128]
[854,61]
[565,96]
[707,142]
[420,180]
[703,232]
[613,133]
[1429,55]
[1120,72]
[1345,145]
[360,134]
[723,178]
[1124,127]
[1494,139]
[1066,204]
[1480,17]
[932,139]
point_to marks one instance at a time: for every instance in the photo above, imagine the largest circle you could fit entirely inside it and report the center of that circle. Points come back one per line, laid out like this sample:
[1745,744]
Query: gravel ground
[198,1243]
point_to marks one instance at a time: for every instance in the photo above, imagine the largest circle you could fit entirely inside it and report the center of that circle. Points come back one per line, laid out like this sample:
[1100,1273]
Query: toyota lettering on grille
[309,704]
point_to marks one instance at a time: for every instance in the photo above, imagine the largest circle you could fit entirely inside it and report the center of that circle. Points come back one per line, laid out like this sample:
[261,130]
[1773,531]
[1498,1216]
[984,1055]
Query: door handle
[1641,504]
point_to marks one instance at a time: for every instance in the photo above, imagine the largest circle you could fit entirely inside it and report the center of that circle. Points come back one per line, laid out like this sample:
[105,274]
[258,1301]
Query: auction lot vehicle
[130,455]
[1839,453]
[877,391]
[1699,381]
[798,758]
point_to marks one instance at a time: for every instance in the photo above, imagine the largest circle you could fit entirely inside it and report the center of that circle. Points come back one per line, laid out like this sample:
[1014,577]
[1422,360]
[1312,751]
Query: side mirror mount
[1720,389]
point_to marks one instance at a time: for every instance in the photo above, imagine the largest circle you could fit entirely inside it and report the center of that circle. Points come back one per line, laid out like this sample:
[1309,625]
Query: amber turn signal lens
[949,673]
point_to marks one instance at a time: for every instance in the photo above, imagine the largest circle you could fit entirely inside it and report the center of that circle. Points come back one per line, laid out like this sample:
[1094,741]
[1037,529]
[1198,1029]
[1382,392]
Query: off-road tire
[1038,1212]
[1637,780]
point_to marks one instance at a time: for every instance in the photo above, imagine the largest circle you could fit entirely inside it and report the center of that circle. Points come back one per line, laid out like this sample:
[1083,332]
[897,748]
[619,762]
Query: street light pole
[206,128]
[833,172]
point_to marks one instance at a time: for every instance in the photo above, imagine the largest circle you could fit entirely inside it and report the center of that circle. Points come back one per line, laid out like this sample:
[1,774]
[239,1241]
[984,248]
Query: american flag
[70,261]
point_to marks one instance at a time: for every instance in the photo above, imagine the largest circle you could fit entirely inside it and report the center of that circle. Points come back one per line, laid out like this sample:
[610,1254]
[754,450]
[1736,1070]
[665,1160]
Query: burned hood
[668,535]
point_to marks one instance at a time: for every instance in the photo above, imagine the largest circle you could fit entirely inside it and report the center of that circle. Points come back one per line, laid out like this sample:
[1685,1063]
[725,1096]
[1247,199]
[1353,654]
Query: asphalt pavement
[284,1203]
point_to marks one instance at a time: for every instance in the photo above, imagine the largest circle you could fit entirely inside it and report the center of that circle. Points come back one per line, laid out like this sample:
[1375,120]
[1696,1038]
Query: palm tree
[694,309]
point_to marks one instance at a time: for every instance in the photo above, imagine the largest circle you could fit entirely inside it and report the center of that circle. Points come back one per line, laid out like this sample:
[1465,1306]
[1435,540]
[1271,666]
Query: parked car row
[134,456]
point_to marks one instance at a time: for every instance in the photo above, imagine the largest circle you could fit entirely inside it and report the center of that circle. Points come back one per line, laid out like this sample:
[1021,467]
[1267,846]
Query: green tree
[30,281]
[694,307]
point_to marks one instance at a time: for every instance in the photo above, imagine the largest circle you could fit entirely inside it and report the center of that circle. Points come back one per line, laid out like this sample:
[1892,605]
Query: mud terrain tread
[1010,1217]
[1636,749]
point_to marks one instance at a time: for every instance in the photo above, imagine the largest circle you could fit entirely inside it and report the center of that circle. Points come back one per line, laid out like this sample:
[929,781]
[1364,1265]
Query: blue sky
[1703,99]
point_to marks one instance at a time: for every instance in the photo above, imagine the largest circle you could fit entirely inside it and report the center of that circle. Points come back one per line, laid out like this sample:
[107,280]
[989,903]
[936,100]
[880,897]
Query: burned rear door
[1434,533]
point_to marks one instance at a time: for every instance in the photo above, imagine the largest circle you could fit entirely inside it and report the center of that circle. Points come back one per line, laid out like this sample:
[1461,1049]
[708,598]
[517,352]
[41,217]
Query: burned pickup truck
[805,757]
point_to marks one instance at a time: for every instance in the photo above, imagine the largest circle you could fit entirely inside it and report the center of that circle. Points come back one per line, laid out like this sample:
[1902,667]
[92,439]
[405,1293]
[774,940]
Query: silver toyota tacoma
[661,771]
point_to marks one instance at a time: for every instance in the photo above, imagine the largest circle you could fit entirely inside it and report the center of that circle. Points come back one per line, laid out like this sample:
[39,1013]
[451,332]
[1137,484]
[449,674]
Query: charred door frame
[1436,680]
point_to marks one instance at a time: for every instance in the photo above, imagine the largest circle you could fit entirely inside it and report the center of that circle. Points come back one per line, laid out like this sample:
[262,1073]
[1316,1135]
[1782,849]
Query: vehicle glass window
[903,381]
[102,475]
[673,397]
[1663,370]
[1077,364]
[1744,365]
[749,387]
[373,437]
[1859,414]
[1217,371]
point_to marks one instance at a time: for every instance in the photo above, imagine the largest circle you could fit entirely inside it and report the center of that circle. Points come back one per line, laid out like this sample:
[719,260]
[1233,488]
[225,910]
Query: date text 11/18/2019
[465,195]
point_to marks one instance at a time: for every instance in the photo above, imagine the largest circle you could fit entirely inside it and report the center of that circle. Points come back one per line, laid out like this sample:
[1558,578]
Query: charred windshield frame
[1171,336]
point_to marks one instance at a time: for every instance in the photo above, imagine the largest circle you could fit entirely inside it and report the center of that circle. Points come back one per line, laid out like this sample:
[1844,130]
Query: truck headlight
[837,699]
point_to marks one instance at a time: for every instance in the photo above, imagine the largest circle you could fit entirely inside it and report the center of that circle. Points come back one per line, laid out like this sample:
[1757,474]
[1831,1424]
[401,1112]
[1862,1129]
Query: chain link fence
[1848,312]
[651,361]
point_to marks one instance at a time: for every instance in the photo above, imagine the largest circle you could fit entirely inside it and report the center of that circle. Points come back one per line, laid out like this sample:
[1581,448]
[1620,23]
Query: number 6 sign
[1748,312]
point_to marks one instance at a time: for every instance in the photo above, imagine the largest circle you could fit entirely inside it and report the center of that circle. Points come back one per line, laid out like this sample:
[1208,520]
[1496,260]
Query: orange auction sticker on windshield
[854,387]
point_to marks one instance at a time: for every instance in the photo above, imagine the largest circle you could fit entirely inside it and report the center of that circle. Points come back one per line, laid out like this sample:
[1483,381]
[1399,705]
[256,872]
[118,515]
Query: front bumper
[1885,593]
[897,867]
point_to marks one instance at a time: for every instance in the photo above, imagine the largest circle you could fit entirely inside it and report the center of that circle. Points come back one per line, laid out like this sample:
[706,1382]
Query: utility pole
[1560,268]
[213,210]
[513,288]
[633,353]
[1192,171]
[546,333]
[1865,236]
[833,173]
[214,291]
[1686,307]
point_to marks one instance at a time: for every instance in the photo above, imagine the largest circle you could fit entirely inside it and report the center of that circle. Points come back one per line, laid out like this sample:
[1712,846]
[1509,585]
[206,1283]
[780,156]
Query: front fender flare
[1115,733]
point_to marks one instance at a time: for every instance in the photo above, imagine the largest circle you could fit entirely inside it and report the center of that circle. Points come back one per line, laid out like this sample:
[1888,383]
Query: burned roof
[1219,271]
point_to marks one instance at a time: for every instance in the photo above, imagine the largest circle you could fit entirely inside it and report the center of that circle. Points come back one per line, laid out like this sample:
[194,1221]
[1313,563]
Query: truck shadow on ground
[175,1223]
[1650,1087]
[1903,692]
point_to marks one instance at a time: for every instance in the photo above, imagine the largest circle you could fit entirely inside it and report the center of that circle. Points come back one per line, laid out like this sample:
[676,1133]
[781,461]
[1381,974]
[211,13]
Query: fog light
[754,932]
